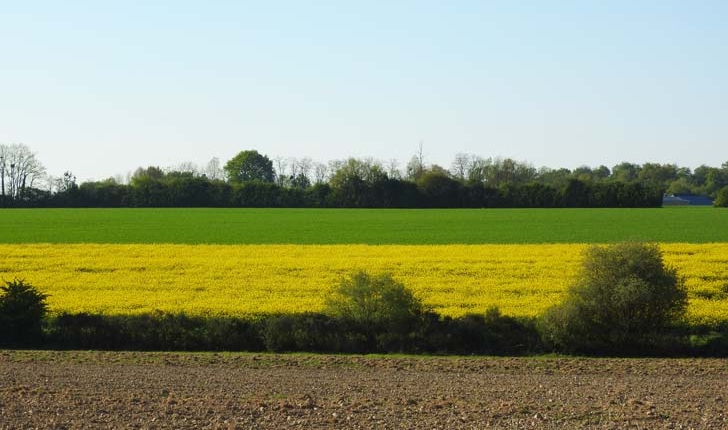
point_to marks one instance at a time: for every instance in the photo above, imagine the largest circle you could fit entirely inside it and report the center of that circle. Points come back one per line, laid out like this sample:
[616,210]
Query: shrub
[721,200]
[491,333]
[310,332]
[22,309]
[383,310]
[155,331]
[624,301]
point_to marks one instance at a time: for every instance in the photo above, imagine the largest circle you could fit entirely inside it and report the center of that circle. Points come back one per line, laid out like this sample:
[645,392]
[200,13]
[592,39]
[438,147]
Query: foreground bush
[22,309]
[378,307]
[625,301]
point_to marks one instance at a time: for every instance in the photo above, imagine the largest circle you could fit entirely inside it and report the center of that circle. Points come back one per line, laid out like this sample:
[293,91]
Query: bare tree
[51,183]
[478,169]
[416,166]
[66,182]
[305,165]
[460,166]
[281,163]
[19,168]
[186,167]
[334,166]
[3,162]
[320,172]
[213,170]
[293,167]
[393,171]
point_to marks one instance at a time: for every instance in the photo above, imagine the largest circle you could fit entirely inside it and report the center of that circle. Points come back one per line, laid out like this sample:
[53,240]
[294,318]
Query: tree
[658,174]
[22,309]
[67,182]
[557,178]
[622,302]
[626,172]
[507,170]
[416,166]
[393,171]
[19,169]
[249,166]
[281,163]
[355,182]
[376,305]
[186,167]
[356,170]
[460,167]
[439,189]
[300,181]
[680,186]
[320,173]
[3,164]
[149,173]
[721,200]
[213,170]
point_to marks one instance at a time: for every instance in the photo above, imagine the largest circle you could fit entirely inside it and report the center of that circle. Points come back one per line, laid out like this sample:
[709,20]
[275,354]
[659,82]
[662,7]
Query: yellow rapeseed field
[259,279]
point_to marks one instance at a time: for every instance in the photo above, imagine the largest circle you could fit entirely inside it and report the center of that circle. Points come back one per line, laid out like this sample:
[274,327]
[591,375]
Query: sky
[100,88]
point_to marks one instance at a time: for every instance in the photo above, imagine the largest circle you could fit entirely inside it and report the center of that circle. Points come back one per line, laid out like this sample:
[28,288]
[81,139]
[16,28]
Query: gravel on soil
[135,390]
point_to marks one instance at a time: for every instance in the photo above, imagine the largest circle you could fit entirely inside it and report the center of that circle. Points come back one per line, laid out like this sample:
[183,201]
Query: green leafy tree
[721,200]
[626,172]
[249,166]
[377,306]
[623,301]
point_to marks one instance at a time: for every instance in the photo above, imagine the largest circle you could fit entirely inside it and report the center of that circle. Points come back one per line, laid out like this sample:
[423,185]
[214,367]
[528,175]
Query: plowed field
[174,390]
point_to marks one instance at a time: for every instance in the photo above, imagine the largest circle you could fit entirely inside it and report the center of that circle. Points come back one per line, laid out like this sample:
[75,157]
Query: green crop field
[365,226]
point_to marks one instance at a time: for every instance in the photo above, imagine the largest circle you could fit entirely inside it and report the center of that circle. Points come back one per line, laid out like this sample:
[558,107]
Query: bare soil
[70,390]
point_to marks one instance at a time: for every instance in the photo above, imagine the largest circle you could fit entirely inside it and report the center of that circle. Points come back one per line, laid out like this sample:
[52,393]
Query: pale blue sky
[101,87]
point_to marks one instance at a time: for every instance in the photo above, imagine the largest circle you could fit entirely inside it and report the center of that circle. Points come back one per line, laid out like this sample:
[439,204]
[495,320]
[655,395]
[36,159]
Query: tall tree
[461,166]
[416,165]
[213,170]
[320,172]
[626,172]
[249,166]
[19,169]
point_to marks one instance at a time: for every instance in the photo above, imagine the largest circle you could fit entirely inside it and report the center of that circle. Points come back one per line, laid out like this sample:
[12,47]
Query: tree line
[252,179]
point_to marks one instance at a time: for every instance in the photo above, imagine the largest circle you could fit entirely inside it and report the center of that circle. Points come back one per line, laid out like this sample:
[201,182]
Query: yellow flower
[242,280]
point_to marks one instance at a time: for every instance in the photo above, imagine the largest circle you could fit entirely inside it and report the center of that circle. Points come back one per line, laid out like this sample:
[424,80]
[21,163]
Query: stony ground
[41,389]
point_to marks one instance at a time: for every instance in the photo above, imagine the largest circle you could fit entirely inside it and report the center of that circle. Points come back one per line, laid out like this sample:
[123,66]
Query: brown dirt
[41,389]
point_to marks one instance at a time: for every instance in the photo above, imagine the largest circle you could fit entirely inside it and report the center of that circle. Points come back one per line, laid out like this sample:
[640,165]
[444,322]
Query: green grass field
[366,226]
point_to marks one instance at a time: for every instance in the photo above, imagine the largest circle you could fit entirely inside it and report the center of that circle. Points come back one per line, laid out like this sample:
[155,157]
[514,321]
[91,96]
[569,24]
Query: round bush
[623,302]
[383,310]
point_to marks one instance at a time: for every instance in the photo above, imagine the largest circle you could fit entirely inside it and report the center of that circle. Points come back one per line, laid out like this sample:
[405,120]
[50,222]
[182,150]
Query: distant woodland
[252,179]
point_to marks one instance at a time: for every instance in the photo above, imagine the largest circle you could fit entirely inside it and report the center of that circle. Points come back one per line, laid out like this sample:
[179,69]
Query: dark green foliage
[157,331]
[383,310]
[624,301]
[721,199]
[22,309]
[311,332]
[433,190]
[249,166]
[440,190]
[491,334]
